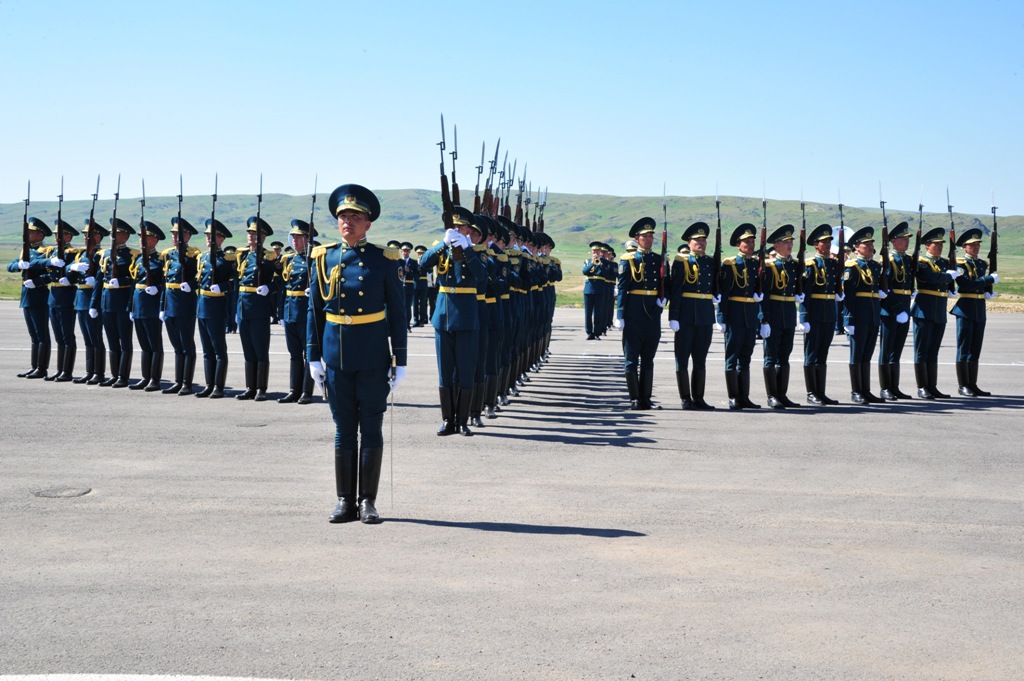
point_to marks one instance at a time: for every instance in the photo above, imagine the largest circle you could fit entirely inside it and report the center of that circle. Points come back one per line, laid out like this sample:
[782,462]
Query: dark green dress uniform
[34,297]
[822,285]
[62,304]
[216,283]
[929,313]
[496,298]
[779,312]
[357,329]
[692,307]
[146,308]
[862,307]
[456,324]
[640,311]
[420,316]
[180,306]
[738,311]
[256,272]
[895,318]
[593,273]
[116,304]
[295,284]
[410,273]
[969,311]
[83,276]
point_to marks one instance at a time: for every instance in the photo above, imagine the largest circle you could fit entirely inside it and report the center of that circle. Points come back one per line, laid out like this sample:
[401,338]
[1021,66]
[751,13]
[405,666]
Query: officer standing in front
[116,302]
[639,314]
[691,315]
[216,282]
[356,333]
[62,303]
[256,272]
[895,314]
[83,275]
[818,313]
[778,315]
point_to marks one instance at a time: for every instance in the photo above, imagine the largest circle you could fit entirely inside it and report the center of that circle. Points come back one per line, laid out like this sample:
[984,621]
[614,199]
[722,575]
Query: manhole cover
[62,492]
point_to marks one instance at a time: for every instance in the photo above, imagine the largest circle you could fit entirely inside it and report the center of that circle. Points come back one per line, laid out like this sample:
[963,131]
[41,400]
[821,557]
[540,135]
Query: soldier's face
[935,248]
[784,248]
[405,252]
[120,238]
[299,243]
[972,249]
[151,241]
[97,237]
[180,237]
[698,245]
[865,249]
[353,225]
[823,247]
[646,240]
[746,246]
[900,243]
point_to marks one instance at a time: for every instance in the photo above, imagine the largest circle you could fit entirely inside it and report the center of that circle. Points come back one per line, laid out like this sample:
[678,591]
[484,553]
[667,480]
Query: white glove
[56,262]
[114,283]
[215,288]
[989,296]
[307,293]
[913,297]
[662,302]
[716,299]
[263,290]
[466,243]
[995,278]
[849,329]
[185,287]
[720,326]
[64,281]
[805,327]
[161,315]
[450,236]
[23,264]
[799,297]
[902,318]
[396,380]
[954,294]
[840,297]
[882,295]
[620,324]
[80,267]
[90,281]
[93,313]
[953,274]
[673,324]
[316,370]
[526,249]
[766,330]
[758,297]
[131,316]
[152,290]
[28,283]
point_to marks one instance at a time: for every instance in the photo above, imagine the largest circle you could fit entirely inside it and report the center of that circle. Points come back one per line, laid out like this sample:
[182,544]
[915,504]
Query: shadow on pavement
[519,528]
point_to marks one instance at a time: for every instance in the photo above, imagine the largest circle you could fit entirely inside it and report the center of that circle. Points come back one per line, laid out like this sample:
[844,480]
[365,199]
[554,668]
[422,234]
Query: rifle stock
[90,246]
[144,235]
[213,236]
[884,281]
[60,221]
[113,233]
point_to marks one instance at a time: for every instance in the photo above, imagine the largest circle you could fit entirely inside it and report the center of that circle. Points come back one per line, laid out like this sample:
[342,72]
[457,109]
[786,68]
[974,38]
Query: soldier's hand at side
[882,295]
[806,327]
[662,302]
[395,380]
[81,267]
[953,274]
[902,318]
[161,315]
[995,278]
[620,324]
[263,290]
[64,281]
[799,297]
[849,329]
[840,297]
[28,283]
[316,371]
[720,326]
[758,297]
[56,262]
[185,287]
[93,313]
[989,296]
[114,283]
[152,290]
[716,299]
[90,281]
[766,330]
[24,264]
[673,324]
[131,316]
[215,288]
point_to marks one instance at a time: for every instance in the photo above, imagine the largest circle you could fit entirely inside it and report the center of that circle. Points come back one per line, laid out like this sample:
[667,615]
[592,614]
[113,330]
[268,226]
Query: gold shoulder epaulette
[681,258]
[231,257]
[193,252]
[810,261]
[320,251]
[270,255]
[729,261]
[479,248]
[391,253]
[851,263]
[502,257]
[435,243]
[556,261]
[135,252]
[626,256]
[167,251]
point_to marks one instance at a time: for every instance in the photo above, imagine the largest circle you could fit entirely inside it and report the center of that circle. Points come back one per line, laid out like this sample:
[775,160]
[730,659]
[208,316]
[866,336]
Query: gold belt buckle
[348,319]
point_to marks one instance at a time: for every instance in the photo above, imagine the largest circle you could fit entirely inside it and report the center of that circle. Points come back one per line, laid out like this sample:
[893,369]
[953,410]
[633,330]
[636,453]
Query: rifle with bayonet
[487,204]
[479,172]
[446,198]
[519,205]
[801,254]
[182,246]
[26,249]
[143,235]
[841,253]
[764,243]
[716,268]
[60,222]
[113,233]
[259,243]
[90,246]
[664,242]
[883,283]
[952,242]
[213,236]
[455,154]
[920,225]
[529,199]
[993,249]
[543,203]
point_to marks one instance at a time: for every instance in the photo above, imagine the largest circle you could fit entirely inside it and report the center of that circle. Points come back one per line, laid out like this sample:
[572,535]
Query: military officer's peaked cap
[230,249]
[899,231]
[407,244]
[66,228]
[971,236]
[276,244]
[934,236]
[684,249]
[394,243]
[181,223]
[420,248]
[462,217]
[91,226]
[481,225]
[489,223]
[642,226]
[119,225]
[255,224]
[37,225]
[218,227]
[822,232]
[354,197]
[596,244]
[301,228]
[698,230]
[631,245]
[289,250]
[862,236]
[612,251]
[551,242]
[783,233]
[744,231]
[153,230]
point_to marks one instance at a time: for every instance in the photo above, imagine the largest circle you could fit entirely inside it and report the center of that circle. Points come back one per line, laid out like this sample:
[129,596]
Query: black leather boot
[865,384]
[156,372]
[345,467]
[179,371]
[856,391]
[188,372]
[43,363]
[698,377]
[99,370]
[307,386]
[262,378]
[447,411]
[68,372]
[894,382]
[90,366]
[821,373]
[115,366]
[972,371]
[369,476]
[647,388]
[771,387]
[811,383]
[462,404]
[683,384]
[732,388]
[743,385]
[491,398]
[124,370]
[294,382]
[921,376]
[250,382]
[220,379]
[476,406]
[34,361]
[963,380]
[633,386]
[147,368]
[209,372]
[60,364]
[884,383]
[933,379]
[782,381]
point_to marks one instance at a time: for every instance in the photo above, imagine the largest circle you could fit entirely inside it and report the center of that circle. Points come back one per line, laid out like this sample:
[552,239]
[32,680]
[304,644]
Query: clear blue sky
[597,97]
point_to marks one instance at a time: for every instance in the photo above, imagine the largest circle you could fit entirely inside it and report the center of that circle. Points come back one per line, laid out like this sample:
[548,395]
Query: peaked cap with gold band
[65,227]
[255,224]
[354,197]
[181,223]
[783,233]
[301,228]
[37,225]
[153,230]
[899,231]
[822,232]
[970,236]
[744,231]
[934,236]
[698,230]
[644,225]
[120,226]
[862,236]
[219,227]
[93,227]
